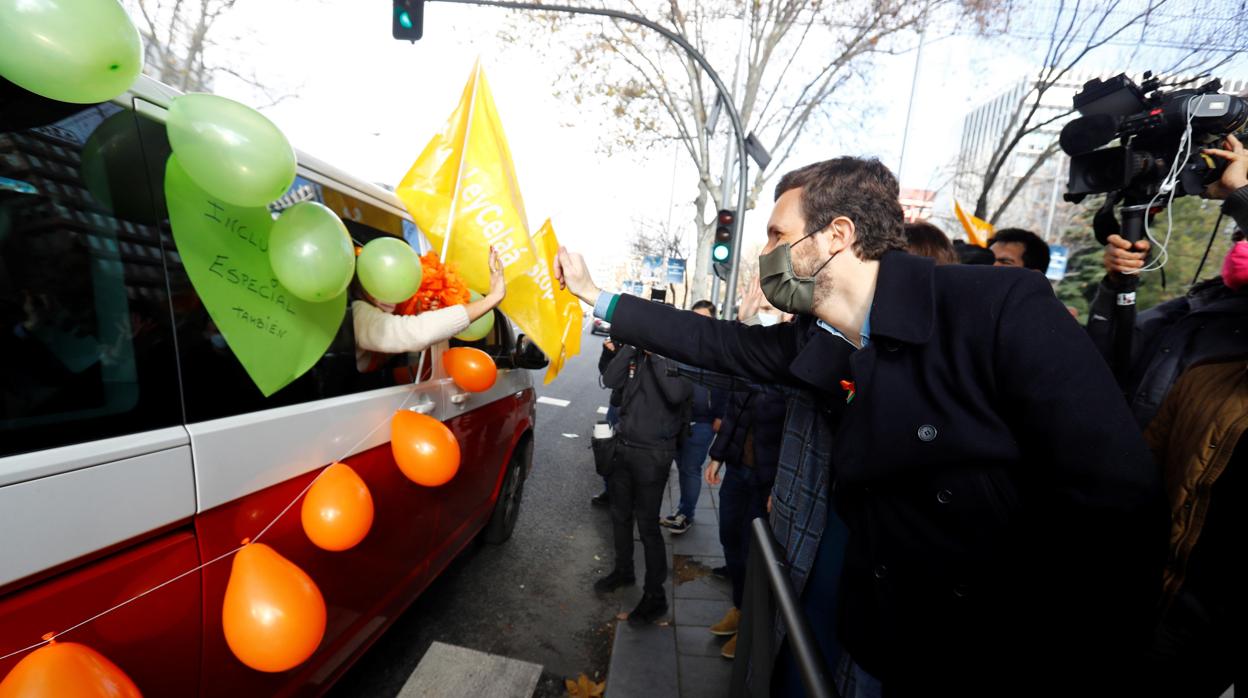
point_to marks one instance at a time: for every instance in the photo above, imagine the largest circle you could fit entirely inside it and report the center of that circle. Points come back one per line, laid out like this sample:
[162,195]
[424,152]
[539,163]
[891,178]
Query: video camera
[1159,157]
[1155,131]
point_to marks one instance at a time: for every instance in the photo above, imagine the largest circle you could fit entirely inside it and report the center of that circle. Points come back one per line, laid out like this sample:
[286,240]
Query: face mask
[218,341]
[1235,268]
[784,289]
[768,319]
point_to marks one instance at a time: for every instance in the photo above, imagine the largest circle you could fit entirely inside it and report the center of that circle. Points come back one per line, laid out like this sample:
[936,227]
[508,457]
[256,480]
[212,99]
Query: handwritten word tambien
[476,200]
[264,324]
[216,213]
[267,289]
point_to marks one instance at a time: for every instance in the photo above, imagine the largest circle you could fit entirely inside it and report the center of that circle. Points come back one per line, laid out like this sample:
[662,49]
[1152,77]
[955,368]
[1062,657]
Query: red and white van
[134,447]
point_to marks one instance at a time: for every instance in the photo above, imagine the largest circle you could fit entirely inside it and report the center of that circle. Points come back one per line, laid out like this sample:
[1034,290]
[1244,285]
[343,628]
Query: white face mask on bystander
[768,319]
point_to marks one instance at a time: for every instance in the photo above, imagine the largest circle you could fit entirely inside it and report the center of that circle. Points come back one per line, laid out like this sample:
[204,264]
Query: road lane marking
[571,436]
[554,401]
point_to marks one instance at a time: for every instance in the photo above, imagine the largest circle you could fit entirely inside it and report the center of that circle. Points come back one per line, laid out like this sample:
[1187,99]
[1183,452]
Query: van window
[500,341]
[216,385]
[86,338]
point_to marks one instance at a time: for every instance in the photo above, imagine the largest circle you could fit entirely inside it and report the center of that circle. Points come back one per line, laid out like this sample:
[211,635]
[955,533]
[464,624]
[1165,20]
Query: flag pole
[463,152]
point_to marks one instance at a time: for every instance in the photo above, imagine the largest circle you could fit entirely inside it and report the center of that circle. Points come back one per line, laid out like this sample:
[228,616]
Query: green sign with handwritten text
[225,249]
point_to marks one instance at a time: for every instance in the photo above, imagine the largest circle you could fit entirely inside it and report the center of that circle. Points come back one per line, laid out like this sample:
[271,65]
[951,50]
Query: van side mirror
[528,355]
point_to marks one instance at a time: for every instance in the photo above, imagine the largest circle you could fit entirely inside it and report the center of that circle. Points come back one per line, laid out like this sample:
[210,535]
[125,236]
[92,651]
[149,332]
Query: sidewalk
[677,656]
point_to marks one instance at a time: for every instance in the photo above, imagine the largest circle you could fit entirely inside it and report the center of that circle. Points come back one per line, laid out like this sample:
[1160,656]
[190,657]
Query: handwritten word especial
[263,288]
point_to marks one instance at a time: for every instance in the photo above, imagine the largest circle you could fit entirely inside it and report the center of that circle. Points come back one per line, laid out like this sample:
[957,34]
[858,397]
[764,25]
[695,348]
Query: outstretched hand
[498,286]
[572,274]
[498,290]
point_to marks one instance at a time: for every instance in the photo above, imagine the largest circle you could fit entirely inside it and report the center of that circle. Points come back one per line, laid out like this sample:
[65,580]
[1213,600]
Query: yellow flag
[463,192]
[550,316]
[977,231]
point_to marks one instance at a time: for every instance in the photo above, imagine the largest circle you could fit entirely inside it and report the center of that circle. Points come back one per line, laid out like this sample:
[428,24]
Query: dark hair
[926,240]
[972,254]
[704,304]
[1035,250]
[863,190]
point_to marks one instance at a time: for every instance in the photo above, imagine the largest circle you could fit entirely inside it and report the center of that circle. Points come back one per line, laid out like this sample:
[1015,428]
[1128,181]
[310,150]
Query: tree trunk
[698,274]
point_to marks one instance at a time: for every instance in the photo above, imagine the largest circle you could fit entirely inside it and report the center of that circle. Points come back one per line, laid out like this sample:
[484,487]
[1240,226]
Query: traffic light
[408,19]
[721,249]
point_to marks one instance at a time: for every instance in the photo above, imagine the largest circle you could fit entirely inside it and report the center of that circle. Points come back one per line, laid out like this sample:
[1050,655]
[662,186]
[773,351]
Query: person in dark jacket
[651,402]
[1200,436]
[748,446]
[708,404]
[602,499]
[1207,324]
[1006,523]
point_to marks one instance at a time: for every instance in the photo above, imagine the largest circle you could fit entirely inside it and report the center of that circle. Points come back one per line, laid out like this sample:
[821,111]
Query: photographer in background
[613,411]
[652,401]
[1210,322]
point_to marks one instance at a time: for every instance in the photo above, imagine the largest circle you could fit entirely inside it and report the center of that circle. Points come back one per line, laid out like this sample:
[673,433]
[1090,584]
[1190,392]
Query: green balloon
[230,150]
[389,270]
[114,159]
[479,327]
[81,51]
[311,253]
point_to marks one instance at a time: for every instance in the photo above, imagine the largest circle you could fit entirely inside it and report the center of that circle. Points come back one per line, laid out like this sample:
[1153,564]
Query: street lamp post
[729,106]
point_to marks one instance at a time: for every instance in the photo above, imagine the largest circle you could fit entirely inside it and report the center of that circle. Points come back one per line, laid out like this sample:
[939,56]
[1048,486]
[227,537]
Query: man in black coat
[1006,521]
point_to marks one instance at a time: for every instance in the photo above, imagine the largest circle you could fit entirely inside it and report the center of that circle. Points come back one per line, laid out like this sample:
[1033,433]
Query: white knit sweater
[381,332]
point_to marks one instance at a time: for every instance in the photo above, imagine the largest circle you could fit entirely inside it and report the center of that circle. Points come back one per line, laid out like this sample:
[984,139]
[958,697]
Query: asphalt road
[530,598]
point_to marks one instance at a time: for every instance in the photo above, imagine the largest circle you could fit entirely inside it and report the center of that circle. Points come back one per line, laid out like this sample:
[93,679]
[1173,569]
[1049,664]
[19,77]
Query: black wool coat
[1007,522]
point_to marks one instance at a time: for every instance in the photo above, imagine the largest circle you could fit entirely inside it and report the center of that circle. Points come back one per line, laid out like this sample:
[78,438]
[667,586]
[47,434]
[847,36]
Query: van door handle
[424,407]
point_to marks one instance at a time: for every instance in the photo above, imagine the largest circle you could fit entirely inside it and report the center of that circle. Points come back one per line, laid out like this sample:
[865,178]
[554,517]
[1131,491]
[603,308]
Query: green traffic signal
[407,19]
[721,250]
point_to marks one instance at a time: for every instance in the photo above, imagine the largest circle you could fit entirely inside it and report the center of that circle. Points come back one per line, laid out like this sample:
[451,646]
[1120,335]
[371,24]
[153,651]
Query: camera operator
[1196,423]
[1207,323]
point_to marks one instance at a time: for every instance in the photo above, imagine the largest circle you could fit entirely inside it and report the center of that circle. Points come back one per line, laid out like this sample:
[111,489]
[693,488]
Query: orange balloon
[274,616]
[424,448]
[471,369]
[338,510]
[67,670]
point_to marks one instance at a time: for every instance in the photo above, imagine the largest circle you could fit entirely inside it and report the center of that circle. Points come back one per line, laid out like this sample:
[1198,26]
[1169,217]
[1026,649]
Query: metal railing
[768,591]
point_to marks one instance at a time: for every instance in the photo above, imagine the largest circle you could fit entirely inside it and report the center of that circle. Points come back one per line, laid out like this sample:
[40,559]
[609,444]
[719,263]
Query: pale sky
[369,103]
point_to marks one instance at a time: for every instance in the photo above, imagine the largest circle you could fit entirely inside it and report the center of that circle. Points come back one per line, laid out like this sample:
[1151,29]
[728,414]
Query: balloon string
[420,367]
[52,636]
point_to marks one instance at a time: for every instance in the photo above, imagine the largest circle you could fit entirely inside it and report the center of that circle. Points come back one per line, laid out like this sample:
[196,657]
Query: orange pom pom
[440,286]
